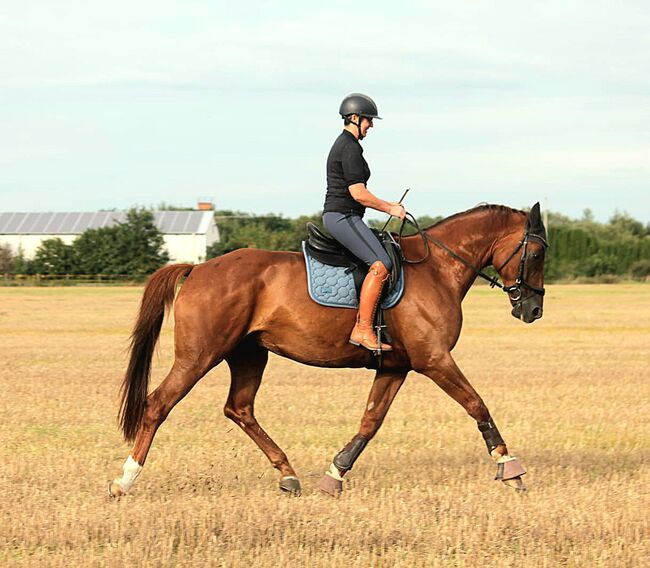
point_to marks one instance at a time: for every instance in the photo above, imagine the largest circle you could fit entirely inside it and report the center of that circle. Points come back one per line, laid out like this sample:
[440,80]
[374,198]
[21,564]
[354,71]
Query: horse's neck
[472,237]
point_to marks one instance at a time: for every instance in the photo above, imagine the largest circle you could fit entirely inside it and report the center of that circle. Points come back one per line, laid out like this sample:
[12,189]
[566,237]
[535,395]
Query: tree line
[579,248]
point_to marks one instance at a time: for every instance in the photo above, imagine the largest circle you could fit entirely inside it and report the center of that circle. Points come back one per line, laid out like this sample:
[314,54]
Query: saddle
[329,251]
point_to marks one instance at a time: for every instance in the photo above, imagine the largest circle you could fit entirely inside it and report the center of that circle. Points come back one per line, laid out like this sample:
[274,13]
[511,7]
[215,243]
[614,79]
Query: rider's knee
[378,268]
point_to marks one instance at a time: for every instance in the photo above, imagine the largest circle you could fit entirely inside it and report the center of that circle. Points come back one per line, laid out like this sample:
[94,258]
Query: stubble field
[570,394]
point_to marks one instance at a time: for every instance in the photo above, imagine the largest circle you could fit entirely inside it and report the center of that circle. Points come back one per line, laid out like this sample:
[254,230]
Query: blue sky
[116,104]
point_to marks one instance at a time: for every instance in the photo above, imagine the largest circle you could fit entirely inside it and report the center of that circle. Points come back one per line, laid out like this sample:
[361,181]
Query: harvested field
[570,394]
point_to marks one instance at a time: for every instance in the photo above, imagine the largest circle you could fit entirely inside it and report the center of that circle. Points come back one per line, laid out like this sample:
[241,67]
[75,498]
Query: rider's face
[366,124]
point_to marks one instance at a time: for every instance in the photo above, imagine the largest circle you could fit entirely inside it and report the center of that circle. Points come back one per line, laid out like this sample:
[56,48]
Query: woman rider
[345,204]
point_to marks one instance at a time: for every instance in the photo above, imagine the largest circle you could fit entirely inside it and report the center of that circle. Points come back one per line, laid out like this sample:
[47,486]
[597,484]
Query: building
[187,234]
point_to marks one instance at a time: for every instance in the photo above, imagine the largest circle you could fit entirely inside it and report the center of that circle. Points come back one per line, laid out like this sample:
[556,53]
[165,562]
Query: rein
[514,291]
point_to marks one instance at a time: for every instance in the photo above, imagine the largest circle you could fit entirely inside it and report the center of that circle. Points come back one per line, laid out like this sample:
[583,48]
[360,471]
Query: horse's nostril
[537,312]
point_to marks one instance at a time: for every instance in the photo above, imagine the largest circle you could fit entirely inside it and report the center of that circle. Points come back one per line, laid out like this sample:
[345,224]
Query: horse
[239,306]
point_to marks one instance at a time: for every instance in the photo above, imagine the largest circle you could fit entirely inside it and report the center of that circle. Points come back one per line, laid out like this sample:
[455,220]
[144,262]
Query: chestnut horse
[242,305]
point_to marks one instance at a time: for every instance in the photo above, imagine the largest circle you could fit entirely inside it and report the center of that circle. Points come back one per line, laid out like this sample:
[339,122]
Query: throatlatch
[490,435]
[345,459]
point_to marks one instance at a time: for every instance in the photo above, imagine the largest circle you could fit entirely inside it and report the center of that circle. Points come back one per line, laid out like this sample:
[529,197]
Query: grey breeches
[350,230]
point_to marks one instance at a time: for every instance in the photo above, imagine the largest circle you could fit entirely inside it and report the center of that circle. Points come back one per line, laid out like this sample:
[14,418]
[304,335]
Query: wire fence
[72,279]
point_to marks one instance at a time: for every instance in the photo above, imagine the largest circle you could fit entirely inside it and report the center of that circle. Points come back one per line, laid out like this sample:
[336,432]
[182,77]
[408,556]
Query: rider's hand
[397,210]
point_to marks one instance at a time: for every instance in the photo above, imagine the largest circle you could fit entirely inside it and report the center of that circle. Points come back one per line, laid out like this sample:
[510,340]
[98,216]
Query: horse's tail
[158,296]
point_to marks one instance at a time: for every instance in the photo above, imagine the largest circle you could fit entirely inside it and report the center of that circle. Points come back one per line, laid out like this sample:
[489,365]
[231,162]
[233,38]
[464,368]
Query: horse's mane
[477,209]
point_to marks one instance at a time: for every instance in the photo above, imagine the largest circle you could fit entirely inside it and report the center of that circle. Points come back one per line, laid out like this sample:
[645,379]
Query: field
[570,393]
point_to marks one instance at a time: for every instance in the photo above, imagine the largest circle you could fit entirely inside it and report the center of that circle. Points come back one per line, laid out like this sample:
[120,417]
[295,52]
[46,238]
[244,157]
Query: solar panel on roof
[11,221]
[170,222]
[54,223]
[78,221]
[36,223]
[21,221]
[189,223]
[181,220]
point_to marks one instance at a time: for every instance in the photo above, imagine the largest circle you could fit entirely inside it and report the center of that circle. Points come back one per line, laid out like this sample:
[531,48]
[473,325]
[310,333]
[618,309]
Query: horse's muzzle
[529,309]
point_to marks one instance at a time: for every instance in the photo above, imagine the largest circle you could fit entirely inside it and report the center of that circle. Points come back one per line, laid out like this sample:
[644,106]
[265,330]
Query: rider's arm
[363,195]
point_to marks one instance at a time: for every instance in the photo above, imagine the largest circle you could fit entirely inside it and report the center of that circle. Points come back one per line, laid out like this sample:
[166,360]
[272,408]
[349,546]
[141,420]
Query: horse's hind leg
[384,389]
[183,375]
[247,365]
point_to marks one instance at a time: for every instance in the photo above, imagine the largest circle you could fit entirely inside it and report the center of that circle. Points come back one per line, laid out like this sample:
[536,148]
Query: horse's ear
[535,225]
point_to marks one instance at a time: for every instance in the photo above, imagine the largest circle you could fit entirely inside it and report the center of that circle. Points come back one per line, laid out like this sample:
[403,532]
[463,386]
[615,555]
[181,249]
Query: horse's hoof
[115,490]
[509,467]
[331,486]
[516,483]
[290,484]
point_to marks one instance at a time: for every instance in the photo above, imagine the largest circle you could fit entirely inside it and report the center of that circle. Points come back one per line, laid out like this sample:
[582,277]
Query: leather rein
[514,291]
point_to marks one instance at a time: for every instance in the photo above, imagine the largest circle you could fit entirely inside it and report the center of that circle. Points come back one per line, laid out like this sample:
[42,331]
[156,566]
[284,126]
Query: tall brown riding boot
[363,333]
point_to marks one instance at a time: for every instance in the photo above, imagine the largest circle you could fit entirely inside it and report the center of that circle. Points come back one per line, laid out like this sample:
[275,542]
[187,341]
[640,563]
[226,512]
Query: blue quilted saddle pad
[334,287]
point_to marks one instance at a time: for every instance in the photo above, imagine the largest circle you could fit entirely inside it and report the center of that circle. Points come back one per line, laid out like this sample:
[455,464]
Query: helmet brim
[363,116]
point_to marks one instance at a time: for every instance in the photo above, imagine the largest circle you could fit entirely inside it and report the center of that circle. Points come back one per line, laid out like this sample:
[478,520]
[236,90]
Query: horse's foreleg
[446,374]
[383,391]
[180,380]
[247,365]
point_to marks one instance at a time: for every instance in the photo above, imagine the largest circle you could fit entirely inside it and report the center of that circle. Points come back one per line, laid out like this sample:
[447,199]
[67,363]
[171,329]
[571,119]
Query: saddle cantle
[335,275]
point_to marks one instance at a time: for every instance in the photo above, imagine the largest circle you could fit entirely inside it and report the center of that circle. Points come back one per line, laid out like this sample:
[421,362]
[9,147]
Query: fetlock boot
[363,333]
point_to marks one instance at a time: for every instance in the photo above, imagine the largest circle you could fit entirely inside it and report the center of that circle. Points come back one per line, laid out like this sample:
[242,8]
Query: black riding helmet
[359,104]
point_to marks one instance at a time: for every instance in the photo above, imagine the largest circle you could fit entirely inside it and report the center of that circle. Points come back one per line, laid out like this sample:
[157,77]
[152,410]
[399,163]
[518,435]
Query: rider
[345,204]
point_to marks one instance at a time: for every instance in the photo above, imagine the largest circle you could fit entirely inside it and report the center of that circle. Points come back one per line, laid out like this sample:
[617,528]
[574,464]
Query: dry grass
[570,394]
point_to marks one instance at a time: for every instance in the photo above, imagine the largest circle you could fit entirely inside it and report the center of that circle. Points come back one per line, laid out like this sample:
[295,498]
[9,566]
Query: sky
[117,104]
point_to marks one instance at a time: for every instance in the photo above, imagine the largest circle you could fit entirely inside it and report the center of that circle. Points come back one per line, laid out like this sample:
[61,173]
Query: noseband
[515,290]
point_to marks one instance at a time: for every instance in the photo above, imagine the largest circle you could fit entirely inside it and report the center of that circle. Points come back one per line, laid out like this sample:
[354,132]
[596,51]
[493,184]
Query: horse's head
[519,260]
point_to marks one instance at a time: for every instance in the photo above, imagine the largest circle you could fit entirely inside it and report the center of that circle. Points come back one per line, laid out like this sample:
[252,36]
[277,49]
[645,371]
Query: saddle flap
[336,286]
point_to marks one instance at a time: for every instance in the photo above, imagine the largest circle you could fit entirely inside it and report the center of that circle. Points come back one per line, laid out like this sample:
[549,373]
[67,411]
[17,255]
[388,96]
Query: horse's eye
[536,256]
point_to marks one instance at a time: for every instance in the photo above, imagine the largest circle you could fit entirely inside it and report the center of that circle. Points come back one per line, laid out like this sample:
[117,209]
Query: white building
[187,234]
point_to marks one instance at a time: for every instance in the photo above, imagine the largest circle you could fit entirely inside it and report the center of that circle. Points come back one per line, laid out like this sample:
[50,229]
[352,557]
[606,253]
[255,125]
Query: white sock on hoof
[131,469]
[506,458]
[334,472]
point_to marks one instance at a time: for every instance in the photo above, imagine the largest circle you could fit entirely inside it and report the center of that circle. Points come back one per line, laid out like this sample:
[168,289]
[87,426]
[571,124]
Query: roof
[75,223]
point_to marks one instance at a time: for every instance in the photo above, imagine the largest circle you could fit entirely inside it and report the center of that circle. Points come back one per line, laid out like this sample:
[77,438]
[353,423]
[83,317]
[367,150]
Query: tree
[6,259]
[23,265]
[598,264]
[640,270]
[96,251]
[272,232]
[134,247]
[626,224]
[53,256]
[139,244]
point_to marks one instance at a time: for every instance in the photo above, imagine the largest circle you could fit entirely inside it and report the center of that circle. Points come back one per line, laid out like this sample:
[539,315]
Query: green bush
[640,270]
[597,265]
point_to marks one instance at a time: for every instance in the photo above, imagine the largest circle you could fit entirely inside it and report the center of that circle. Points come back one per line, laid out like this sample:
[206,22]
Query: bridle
[514,291]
